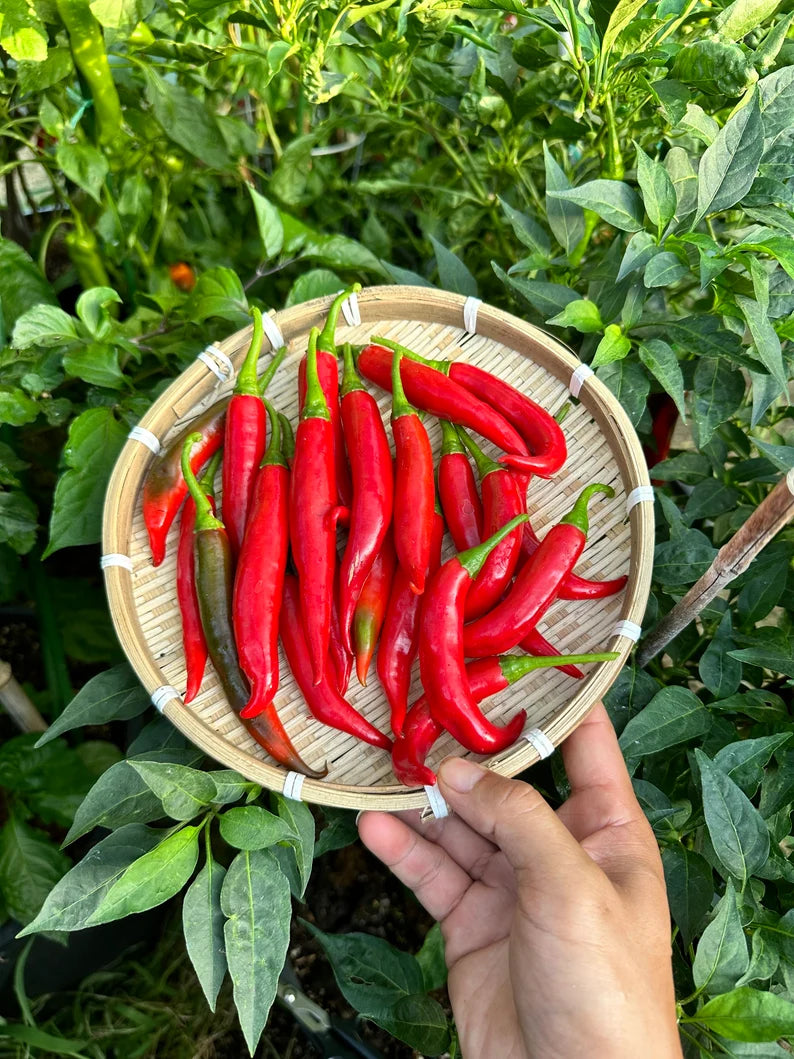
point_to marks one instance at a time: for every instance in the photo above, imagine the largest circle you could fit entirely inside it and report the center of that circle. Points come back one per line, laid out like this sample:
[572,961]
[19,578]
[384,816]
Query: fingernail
[359,814]
[459,774]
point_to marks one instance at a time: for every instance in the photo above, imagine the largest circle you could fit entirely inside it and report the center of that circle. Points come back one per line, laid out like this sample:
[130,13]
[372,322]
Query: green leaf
[581,314]
[340,830]
[92,306]
[658,193]
[183,791]
[252,827]
[316,283]
[95,363]
[218,292]
[764,959]
[742,16]
[431,959]
[623,13]
[85,165]
[16,408]
[18,521]
[30,865]
[709,499]
[298,817]
[747,1015]
[683,560]
[452,273]
[115,695]
[613,346]
[186,120]
[22,34]
[780,659]
[688,467]
[566,219]
[22,284]
[43,325]
[526,230]
[75,898]
[719,671]
[546,298]
[776,92]
[737,830]
[719,391]
[230,786]
[663,270]
[744,762]
[765,339]
[690,888]
[639,251]
[781,455]
[419,1021]
[33,1037]
[722,957]
[152,879]
[629,383]
[729,166]
[94,443]
[202,924]
[661,361]
[255,899]
[268,220]
[703,335]
[673,716]
[613,201]
[682,173]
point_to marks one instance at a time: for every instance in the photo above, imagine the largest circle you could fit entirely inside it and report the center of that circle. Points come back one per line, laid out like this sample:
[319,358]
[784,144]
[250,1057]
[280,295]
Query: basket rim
[448,309]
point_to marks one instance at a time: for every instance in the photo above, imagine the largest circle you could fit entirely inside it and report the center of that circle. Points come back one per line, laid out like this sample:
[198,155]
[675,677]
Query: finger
[437,880]
[478,857]
[593,759]
[513,816]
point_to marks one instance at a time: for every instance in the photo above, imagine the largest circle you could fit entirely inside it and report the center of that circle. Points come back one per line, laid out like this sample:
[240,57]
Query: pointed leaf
[202,923]
[566,219]
[722,957]
[657,189]
[747,1015]
[183,791]
[737,830]
[252,827]
[613,201]
[690,888]
[729,166]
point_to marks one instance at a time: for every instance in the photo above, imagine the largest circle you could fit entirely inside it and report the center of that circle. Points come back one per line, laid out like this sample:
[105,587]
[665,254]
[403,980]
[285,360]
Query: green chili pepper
[90,58]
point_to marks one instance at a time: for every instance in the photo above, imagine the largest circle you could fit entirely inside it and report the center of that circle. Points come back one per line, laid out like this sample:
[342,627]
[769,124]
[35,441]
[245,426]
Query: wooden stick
[21,710]
[733,558]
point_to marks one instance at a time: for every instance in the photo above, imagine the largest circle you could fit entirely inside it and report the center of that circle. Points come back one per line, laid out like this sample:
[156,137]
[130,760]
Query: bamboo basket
[602,447]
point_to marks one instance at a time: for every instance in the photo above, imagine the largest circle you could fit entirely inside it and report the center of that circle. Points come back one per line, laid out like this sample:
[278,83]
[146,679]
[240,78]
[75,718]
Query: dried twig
[21,710]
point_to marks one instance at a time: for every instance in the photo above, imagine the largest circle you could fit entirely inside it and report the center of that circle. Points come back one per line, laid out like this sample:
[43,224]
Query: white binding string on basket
[582,373]
[146,437]
[293,785]
[470,309]
[630,629]
[540,741]
[160,696]
[438,806]
[273,332]
[790,480]
[639,495]
[217,361]
[350,310]
[115,559]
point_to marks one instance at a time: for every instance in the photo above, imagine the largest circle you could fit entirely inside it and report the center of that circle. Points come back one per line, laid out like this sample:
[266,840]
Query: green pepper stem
[473,559]
[516,666]
[395,347]
[207,480]
[450,441]
[287,437]
[315,405]
[485,465]
[326,342]
[271,369]
[246,377]
[205,520]
[351,380]
[274,454]
[577,516]
[399,402]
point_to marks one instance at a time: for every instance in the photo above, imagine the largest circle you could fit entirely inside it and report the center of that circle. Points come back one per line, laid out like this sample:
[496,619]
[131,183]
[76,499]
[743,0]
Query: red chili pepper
[164,487]
[312,507]
[486,677]
[373,490]
[501,501]
[244,441]
[534,643]
[323,700]
[573,587]
[431,391]
[328,372]
[182,275]
[341,658]
[414,488]
[194,643]
[457,489]
[537,584]
[214,590]
[441,659]
[399,640]
[259,580]
[371,607]
[664,415]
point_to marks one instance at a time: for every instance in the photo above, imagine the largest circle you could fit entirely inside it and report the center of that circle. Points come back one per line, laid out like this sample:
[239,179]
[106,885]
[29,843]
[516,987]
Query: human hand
[556,924]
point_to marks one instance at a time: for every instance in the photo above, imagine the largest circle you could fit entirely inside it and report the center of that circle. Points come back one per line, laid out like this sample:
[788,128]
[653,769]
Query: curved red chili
[259,580]
[371,607]
[501,501]
[431,391]
[486,677]
[573,587]
[441,658]
[194,642]
[535,643]
[536,586]
[414,487]
[214,590]
[328,373]
[457,490]
[399,641]
[373,489]
[323,700]
[341,658]
[312,506]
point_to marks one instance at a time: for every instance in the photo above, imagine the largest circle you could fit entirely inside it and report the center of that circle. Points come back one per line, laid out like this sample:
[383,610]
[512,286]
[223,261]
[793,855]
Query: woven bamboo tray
[602,447]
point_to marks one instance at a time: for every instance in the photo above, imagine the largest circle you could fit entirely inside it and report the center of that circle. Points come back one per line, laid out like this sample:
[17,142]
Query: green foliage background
[621,174]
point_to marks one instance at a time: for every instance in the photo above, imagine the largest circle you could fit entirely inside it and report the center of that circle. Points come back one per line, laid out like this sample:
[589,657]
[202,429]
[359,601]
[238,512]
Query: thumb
[513,815]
